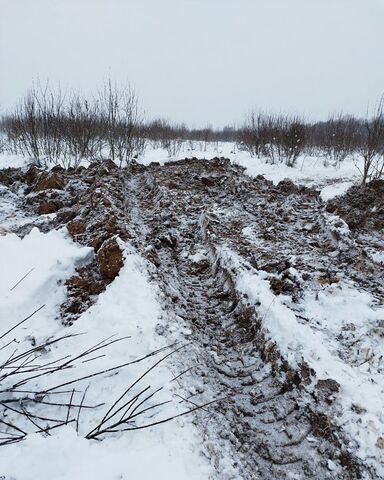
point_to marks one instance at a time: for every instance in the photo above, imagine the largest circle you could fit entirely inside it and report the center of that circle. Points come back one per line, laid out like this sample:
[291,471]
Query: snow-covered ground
[33,274]
[10,160]
[330,311]
[128,308]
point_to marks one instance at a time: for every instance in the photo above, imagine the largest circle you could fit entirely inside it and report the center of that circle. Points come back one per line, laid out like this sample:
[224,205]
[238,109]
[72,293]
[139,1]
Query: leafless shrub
[167,136]
[49,127]
[26,409]
[290,139]
[250,135]
[35,128]
[337,138]
[371,147]
[281,138]
[83,130]
[3,142]
[122,122]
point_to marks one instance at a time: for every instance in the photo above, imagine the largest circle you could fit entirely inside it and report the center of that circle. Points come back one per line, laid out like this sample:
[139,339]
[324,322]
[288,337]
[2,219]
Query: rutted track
[268,426]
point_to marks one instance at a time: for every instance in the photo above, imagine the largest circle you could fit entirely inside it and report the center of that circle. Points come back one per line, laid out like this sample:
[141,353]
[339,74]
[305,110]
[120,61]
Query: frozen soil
[199,223]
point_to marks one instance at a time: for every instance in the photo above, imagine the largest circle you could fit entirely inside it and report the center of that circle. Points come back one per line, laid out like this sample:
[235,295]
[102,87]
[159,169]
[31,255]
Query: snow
[377,257]
[129,307]
[34,270]
[334,190]
[317,343]
[10,160]
[68,456]
[50,258]
[8,207]
[309,170]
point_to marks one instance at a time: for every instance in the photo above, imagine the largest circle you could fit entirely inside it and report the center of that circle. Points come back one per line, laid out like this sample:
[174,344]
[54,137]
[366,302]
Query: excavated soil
[270,422]
[362,207]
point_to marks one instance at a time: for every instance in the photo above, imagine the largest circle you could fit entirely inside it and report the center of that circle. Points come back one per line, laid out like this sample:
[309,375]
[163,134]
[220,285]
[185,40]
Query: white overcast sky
[201,61]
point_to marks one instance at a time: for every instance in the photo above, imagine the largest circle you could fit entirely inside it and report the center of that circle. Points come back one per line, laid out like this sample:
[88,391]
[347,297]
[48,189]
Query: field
[196,318]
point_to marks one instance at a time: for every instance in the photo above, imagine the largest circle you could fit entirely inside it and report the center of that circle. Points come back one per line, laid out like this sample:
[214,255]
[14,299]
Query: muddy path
[269,424]
[270,421]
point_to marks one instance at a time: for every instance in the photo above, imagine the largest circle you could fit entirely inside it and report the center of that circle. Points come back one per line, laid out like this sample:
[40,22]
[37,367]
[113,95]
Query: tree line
[49,126]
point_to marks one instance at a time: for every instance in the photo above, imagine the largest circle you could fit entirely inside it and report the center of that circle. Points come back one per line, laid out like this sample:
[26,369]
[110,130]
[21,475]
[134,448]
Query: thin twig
[25,276]
[22,321]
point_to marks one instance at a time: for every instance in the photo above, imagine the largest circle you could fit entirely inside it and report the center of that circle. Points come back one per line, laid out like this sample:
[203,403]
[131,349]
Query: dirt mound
[362,207]
[52,180]
[110,259]
[9,176]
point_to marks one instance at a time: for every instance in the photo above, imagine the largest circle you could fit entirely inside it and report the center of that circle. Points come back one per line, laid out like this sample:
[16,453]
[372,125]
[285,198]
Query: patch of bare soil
[362,207]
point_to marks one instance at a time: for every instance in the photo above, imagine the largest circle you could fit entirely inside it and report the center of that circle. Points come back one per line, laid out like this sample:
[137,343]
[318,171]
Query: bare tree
[34,129]
[122,120]
[335,138]
[372,145]
[292,139]
[83,129]
[250,135]
[280,138]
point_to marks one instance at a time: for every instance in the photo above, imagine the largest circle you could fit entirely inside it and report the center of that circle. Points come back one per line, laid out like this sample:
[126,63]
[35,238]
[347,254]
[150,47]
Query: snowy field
[125,320]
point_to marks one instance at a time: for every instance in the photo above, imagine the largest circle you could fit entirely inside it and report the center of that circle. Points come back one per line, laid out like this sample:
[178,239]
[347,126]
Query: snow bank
[127,308]
[334,190]
[46,261]
[316,344]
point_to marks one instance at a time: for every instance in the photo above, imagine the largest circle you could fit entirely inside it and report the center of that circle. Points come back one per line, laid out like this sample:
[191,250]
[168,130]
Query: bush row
[50,127]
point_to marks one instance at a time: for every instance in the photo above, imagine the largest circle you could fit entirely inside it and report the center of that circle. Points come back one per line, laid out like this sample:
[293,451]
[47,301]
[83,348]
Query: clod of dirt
[104,229]
[279,286]
[326,389]
[8,176]
[76,227]
[31,175]
[287,186]
[329,385]
[82,291]
[110,259]
[51,181]
[208,182]
[362,207]
[109,164]
[328,280]
[4,231]
[87,286]
[57,168]
[65,215]
[322,426]
[380,443]
[49,206]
